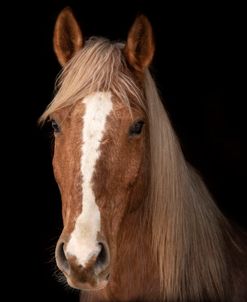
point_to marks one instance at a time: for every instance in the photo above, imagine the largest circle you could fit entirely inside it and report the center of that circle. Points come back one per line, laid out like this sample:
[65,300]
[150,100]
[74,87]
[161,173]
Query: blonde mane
[99,66]
[186,226]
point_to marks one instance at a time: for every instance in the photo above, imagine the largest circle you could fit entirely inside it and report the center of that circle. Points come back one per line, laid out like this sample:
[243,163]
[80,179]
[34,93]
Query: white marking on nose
[83,241]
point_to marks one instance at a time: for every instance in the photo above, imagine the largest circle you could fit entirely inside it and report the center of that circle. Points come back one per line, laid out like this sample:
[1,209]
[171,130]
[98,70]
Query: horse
[138,221]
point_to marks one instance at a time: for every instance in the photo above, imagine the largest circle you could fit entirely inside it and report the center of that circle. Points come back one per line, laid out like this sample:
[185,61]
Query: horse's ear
[67,39]
[139,49]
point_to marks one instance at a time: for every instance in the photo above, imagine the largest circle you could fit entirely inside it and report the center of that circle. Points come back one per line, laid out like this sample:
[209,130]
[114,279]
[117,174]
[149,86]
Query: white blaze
[83,241]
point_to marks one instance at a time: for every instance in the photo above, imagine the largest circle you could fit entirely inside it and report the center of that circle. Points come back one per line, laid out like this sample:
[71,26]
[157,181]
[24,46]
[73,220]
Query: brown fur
[167,239]
[139,49]
[67,39]
[66,171]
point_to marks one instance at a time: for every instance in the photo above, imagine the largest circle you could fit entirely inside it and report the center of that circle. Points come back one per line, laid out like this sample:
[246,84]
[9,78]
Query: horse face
[100,166]
[100,149]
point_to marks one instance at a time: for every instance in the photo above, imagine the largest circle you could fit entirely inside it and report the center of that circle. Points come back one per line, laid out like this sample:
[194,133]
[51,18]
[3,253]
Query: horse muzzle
[93,275]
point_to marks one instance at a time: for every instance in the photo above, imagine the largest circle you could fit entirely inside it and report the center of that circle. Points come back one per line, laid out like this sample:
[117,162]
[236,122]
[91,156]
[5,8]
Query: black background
[198,68]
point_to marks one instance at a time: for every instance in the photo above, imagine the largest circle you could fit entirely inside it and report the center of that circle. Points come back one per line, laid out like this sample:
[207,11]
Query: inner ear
[139,49]
[67,39]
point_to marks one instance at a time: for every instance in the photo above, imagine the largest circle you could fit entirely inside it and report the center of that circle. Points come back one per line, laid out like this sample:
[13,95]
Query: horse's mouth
[87,286]
[94,285]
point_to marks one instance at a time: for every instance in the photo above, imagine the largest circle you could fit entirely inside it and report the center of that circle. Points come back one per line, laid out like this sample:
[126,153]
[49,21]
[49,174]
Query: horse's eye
[55,126]
[136,128]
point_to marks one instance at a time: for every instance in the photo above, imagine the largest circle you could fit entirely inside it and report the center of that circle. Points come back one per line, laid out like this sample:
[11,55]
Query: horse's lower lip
[99,286]
[88,287]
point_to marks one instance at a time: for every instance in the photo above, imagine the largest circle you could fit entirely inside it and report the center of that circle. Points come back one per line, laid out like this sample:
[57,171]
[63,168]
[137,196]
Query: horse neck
[193,265]
[224,248]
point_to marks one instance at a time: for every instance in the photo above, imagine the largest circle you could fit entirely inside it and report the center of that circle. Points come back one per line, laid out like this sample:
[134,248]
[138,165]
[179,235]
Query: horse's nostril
[103,257]
[61,259]
[61,253]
